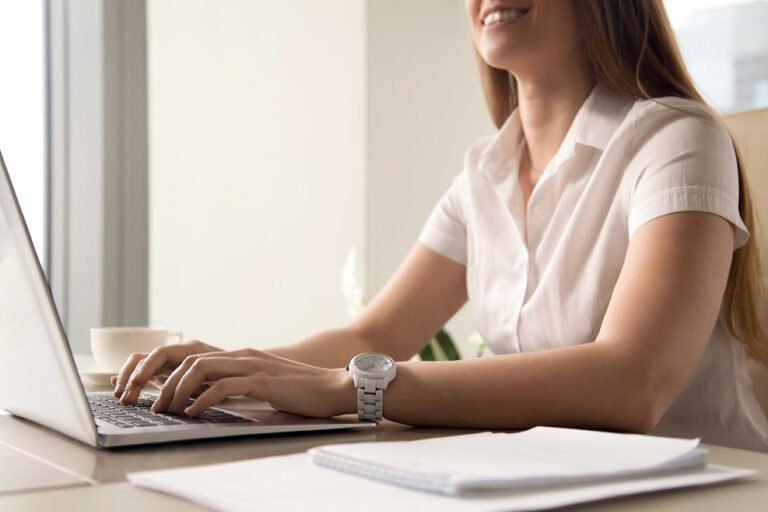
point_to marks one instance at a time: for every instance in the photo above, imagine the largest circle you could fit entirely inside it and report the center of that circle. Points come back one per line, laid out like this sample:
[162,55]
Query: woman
[601,236]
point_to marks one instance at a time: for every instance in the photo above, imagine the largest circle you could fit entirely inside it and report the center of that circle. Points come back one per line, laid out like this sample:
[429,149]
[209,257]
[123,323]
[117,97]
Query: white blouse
[542,279]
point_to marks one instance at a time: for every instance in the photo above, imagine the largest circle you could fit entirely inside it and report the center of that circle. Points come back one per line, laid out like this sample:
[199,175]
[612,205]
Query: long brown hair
[632,50]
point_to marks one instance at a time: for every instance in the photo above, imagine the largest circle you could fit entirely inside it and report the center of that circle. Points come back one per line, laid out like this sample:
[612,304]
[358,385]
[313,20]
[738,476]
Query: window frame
[97,164]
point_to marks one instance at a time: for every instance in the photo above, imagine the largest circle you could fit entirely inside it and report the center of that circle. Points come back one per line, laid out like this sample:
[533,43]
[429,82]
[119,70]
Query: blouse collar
[594,125]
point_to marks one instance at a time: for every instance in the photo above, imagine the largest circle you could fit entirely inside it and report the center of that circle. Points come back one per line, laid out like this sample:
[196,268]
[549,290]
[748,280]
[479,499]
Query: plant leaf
[437,350]
[447,345]
[426,353]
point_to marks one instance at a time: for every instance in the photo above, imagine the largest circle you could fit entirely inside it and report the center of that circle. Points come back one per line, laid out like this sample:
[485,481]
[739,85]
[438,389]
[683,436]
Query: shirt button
[538,209]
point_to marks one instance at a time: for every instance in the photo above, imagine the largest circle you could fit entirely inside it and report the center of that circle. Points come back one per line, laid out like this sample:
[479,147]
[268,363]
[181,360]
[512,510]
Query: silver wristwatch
[371,374]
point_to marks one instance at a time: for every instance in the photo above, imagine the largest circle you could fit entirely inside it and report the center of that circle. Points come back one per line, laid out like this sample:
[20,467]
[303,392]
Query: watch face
[373,363]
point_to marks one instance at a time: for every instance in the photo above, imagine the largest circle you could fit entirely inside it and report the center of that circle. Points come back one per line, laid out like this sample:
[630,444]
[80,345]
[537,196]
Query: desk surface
[103,485]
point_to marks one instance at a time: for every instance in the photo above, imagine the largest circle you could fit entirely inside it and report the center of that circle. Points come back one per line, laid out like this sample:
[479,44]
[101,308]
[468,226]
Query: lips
[499,13]
[505,15]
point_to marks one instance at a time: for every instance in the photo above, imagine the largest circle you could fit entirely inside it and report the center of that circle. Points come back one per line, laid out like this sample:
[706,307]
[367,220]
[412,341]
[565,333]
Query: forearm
[580,386]
[332,348]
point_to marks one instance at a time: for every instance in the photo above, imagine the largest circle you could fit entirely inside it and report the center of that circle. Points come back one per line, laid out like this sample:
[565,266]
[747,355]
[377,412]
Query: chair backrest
[750,132]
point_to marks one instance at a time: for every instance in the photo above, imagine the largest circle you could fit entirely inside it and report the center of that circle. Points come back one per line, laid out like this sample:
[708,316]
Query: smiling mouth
[503,15]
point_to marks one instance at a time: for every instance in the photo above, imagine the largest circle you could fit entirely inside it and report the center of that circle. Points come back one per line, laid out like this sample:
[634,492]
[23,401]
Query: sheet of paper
[293,482]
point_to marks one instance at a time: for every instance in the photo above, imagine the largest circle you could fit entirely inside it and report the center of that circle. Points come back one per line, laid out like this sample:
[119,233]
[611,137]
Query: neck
[547,104]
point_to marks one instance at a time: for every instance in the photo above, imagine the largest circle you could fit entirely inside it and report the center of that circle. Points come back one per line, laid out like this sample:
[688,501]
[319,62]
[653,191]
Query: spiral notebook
[542,456]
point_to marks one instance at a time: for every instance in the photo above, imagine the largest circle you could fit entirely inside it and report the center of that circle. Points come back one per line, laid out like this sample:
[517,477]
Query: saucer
[96,377]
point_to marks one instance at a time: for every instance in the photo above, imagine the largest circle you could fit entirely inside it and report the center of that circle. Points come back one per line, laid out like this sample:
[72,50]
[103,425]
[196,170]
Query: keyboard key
[107,408]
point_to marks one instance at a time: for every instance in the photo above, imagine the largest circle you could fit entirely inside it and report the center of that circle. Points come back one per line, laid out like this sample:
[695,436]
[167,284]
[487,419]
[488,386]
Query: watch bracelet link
[370,399]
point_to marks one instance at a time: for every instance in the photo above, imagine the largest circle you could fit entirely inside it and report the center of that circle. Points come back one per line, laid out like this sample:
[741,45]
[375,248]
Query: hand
[287,385]
[141,368]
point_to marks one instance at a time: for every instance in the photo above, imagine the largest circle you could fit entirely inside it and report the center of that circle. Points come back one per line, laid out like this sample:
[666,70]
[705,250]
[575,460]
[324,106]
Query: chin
[505,51]
[502,60]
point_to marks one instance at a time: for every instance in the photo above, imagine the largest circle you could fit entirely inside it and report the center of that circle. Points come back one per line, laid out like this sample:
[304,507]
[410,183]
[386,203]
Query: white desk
[106,469]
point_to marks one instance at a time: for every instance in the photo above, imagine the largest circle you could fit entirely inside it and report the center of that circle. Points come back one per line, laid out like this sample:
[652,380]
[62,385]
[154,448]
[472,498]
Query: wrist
[345,393]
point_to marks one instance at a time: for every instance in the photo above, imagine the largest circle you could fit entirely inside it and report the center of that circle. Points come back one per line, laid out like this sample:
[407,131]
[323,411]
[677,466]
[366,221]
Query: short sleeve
[445,230]
[691,167]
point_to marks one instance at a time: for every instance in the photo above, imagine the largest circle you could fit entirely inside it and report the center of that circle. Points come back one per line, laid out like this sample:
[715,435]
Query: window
[23,108]
[725,46]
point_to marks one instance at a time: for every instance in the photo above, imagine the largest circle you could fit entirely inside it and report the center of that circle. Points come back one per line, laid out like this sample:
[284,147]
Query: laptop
[39,380]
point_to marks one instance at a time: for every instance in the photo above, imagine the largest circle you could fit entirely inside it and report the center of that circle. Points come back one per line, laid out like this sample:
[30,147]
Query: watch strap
[370,399]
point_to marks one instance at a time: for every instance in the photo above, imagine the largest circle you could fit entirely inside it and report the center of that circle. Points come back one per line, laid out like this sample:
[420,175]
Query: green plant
[440,348]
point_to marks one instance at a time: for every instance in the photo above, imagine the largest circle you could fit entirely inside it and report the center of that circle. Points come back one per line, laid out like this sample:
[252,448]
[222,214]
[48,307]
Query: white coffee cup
[111,346]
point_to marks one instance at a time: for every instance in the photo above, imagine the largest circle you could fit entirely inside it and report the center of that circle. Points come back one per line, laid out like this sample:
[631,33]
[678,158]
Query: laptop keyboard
[106,407]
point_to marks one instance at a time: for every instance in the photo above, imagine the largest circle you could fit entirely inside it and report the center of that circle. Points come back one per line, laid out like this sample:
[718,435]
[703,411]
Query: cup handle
[179,336]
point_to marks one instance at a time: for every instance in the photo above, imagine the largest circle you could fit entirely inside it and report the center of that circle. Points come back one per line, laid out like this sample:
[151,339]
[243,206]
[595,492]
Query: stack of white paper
[492,462]
[537,469]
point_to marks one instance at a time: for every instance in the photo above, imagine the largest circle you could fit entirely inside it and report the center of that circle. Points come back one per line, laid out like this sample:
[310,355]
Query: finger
[133,387]
[126,371]
[208,369]
[143,372]
[223,389]
[164,399]
[113,379]
[154,364]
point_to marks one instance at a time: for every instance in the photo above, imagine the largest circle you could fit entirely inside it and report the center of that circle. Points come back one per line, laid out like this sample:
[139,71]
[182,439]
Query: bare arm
[421,296]
[660,317]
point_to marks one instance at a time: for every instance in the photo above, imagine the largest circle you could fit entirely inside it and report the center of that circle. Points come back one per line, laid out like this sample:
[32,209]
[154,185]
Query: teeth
[507,14]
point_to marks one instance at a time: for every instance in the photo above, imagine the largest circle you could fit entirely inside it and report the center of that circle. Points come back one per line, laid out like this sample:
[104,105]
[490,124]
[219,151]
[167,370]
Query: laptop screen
[38,379]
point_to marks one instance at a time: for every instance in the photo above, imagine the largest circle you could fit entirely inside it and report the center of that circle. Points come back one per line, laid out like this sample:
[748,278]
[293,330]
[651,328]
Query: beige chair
[750,131]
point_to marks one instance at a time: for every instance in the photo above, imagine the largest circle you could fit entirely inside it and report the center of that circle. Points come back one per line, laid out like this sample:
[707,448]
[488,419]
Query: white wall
[283,132]
[256,165]
[425,106]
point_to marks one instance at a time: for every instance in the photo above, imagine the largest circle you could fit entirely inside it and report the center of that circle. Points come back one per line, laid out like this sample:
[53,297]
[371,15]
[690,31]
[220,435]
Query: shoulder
[683,160]
[460,187]
[467,180]
[676,124]
[476,151]
[675,136]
